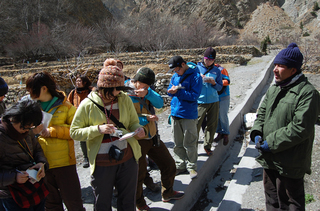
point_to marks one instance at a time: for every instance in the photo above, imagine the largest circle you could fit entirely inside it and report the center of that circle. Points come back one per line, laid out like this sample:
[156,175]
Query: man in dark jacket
[284,132]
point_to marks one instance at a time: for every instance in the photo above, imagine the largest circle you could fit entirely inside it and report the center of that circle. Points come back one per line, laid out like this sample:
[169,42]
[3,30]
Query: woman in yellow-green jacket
[95,122]
[61,178]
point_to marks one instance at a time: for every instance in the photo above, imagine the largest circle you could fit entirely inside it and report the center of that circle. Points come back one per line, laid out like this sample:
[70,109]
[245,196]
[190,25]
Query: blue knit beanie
[291,57]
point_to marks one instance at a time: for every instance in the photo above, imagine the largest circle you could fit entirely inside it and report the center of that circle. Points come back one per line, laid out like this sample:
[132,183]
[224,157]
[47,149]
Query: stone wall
[16,92]
[161,85]
[62,71]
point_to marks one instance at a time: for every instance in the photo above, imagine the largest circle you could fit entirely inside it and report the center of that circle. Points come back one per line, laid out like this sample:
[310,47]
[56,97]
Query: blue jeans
[223,122]
[9,204]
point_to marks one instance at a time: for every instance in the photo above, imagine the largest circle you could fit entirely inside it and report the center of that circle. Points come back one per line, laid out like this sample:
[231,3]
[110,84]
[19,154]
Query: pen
[19,171]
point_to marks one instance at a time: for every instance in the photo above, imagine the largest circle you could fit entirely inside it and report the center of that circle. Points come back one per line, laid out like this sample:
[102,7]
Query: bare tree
[198,33]
[113,34]
[81,37]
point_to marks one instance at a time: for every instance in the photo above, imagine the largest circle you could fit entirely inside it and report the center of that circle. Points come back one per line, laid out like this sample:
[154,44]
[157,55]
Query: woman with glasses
[62,178]
[83,88]
[19,151]
[100,120]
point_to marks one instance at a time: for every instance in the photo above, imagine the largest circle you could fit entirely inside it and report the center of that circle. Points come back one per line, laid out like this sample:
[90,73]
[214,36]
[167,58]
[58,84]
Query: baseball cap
[174,62]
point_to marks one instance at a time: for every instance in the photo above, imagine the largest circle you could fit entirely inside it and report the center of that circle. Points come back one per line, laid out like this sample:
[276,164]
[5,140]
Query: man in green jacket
[284,132]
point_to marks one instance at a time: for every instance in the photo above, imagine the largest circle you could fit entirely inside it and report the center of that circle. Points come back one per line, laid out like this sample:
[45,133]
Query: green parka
[286,121]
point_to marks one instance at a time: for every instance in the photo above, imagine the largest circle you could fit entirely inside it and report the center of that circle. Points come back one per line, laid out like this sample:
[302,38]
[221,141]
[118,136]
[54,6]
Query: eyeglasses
[175,70]
[28,128]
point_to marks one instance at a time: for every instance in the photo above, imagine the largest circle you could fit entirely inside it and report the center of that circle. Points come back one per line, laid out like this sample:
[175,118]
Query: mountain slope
[233,17]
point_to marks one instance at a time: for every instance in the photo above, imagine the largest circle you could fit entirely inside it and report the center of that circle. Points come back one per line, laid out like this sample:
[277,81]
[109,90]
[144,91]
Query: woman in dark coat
[19,151]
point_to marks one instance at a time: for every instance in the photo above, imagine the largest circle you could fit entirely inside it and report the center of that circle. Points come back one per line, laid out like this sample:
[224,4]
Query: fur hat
[3,87]
[210,54]
[110,75]
[290,56]
[145,75]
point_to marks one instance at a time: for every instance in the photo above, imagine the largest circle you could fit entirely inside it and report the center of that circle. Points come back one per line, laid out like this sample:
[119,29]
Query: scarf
[80,89]
[287,82]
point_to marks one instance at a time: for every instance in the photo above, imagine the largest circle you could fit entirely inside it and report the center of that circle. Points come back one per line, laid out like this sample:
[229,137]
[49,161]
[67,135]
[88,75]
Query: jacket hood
[192,68]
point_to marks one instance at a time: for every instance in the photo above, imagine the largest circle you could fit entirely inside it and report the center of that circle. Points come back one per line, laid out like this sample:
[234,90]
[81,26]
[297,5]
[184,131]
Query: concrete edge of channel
[210,167]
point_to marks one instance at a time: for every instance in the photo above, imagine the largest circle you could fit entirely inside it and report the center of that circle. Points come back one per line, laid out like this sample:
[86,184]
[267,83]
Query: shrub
[238,24]
[306,34]
[315,6]
[314,14]
[263,46]
[309,198]
[267,39]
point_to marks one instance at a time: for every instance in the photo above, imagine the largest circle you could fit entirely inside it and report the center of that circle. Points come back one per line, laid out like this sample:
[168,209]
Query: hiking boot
[225,139]
[181,171]
[208,151]
[144,208]
[218,138]
[193,174]
[85,163]
[154,187]
[176,196]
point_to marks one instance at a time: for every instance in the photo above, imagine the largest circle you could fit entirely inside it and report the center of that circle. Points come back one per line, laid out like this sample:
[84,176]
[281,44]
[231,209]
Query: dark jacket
[13,157]
[286,120]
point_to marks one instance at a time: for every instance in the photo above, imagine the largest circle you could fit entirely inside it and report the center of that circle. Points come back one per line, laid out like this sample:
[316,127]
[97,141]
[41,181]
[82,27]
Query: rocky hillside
[253,18]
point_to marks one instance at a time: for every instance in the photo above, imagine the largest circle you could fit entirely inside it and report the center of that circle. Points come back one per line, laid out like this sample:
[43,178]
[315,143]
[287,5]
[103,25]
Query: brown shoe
[176,196]
[225,139]
[218,138]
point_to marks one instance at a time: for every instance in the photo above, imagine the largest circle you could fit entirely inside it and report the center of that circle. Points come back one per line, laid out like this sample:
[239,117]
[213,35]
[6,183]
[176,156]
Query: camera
[116,153]
[118,133]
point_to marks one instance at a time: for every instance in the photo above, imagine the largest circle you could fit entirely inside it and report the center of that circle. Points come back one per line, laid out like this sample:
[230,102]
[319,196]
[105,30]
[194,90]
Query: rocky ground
[241,80]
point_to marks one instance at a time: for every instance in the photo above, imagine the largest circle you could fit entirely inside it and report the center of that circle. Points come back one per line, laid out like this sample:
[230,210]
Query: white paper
[33,175]
[126,136]
[205,79]
[46,118]
[178,87]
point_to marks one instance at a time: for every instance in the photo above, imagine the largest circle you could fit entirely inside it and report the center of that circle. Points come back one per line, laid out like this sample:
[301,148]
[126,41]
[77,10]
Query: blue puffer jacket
[209,93]
[184,102]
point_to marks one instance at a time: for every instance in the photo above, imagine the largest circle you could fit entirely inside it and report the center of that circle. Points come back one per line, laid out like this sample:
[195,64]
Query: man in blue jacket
[208,102]
[184,88]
